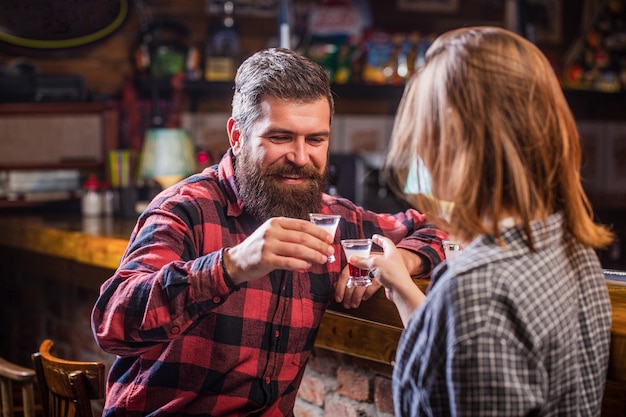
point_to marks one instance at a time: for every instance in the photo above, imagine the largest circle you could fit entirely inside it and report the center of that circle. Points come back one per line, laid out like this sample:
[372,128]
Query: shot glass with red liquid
[357,247]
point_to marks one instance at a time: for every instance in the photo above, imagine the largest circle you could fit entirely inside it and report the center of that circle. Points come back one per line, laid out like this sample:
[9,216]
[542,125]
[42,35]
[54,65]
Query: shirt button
[175,330]
[216,299]
[276,333]
[267,380]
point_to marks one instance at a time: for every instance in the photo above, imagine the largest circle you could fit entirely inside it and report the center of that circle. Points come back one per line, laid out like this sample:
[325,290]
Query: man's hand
[352,297]
[280,243]
[390,270]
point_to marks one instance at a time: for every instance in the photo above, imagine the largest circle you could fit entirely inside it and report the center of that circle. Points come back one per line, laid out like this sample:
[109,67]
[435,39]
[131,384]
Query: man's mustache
[306,171]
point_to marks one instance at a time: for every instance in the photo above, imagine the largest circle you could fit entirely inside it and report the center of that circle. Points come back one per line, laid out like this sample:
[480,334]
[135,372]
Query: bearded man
[216,303]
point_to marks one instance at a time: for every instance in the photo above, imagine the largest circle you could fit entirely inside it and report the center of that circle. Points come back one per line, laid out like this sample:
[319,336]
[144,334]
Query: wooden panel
[31,264]
[617,361]
[378,309]
[362,338]
[614,400]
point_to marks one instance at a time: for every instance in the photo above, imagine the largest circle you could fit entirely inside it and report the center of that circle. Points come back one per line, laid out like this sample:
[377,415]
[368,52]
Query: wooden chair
[67,387]
[23,378]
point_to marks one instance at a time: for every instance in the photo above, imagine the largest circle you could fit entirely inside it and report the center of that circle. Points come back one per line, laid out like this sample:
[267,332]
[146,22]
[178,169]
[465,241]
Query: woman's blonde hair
[487,115]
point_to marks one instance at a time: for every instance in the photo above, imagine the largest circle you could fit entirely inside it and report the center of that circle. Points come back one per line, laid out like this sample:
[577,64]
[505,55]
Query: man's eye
[315,140]
[280,138]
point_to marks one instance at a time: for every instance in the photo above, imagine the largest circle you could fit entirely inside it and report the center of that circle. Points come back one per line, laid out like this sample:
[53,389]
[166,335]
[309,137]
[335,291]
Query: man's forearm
[416,263]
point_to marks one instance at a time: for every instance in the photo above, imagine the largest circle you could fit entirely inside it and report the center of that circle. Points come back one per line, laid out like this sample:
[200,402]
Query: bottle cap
[91,183]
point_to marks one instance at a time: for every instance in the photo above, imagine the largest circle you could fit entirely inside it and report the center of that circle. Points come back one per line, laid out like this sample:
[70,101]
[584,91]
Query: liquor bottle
[222,48]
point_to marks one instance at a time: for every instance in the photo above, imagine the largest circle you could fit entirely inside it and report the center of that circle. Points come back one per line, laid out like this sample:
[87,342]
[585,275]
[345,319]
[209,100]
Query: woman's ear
[234,135]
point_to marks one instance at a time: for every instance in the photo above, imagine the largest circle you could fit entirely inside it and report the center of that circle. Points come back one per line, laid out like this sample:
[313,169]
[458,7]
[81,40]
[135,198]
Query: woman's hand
[389,269]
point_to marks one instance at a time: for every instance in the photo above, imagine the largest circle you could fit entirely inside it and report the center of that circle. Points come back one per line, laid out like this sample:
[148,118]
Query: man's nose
[298,154]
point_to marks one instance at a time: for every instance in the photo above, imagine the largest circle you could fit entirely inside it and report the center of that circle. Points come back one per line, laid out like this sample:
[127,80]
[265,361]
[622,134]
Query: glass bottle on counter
[91,201]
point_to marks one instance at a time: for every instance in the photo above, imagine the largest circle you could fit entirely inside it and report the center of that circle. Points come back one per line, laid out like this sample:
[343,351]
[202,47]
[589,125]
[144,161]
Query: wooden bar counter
[370,332]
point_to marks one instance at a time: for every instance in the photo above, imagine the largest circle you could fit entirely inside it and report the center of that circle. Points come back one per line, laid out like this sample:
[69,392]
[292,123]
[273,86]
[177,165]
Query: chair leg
[6,392]
[28,399]
[28,396]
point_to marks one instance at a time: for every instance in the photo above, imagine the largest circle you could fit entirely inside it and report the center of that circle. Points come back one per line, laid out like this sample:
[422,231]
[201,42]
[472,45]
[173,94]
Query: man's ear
[234,135]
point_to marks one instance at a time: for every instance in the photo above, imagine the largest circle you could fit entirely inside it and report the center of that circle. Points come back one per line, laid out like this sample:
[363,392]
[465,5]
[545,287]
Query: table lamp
[167,156]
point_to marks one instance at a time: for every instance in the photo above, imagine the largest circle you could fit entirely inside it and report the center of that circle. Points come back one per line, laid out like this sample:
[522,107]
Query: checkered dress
[508,332]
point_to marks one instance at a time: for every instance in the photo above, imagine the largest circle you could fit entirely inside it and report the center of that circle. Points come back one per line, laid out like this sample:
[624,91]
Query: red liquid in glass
[357,272]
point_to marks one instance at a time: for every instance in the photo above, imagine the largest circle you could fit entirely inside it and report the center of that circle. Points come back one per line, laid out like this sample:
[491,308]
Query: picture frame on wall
[440,6]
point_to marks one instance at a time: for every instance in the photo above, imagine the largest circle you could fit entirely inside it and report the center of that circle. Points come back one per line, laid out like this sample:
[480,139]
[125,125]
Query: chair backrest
[67,387]
[24,378]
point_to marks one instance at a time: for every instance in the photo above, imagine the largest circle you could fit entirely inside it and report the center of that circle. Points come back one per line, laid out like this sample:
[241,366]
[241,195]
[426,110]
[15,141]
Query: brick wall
[336,385]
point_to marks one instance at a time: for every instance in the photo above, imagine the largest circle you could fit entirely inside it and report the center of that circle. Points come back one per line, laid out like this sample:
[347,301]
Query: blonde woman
[518,324]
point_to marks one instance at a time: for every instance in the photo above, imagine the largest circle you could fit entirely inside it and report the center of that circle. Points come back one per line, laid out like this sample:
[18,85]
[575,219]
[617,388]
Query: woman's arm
[390,269]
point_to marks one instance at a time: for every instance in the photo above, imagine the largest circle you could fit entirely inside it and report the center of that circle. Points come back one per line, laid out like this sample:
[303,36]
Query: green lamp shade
[167,156]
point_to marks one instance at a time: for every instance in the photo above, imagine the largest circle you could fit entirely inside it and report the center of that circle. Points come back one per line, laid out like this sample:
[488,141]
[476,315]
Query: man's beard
[266,197]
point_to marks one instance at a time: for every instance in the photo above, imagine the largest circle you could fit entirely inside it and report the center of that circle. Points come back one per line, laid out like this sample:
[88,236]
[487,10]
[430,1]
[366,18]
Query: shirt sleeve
[163,282]
[426,241]
[410,230]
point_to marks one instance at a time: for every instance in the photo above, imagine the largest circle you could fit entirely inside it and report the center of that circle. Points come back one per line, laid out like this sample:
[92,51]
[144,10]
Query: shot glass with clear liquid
[357,247]
[451,249]
[328,222]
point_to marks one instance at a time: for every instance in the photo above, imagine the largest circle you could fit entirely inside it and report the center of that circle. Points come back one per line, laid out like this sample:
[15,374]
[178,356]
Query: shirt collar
[229,184]
[545,233]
